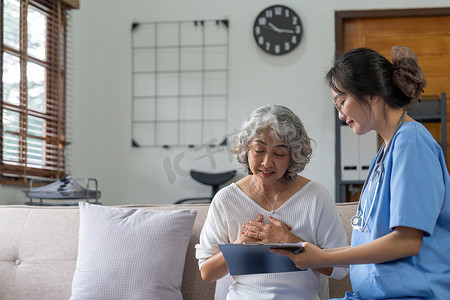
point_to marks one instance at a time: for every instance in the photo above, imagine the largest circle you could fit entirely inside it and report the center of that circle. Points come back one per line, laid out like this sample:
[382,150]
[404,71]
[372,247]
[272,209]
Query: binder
[367,150]
[357,152]
[349,154]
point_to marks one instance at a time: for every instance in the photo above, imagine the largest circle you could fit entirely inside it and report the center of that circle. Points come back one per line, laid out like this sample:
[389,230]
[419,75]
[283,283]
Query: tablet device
[256,258]
[294,247]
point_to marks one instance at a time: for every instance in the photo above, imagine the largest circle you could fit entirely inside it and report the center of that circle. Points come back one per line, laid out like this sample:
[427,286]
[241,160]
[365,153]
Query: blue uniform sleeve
[417,184]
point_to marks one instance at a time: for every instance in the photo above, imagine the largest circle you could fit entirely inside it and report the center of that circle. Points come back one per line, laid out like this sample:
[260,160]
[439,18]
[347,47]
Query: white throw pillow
[127,253]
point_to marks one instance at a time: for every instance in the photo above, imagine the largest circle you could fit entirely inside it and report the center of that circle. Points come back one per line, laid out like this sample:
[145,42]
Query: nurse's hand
[275,232]
[311,257]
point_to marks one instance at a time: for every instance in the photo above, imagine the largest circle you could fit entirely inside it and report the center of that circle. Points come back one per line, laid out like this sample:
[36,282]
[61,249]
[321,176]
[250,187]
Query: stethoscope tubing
[357,221]
[360,223]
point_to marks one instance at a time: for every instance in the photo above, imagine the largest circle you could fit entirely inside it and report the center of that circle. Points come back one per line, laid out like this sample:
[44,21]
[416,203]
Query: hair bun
[407,75]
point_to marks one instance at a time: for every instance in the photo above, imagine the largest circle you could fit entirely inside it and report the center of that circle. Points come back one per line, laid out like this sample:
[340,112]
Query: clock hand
[275,28]
[286,31]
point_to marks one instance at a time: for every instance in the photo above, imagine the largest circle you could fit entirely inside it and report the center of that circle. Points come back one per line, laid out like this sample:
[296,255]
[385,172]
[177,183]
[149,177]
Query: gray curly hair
[284,125]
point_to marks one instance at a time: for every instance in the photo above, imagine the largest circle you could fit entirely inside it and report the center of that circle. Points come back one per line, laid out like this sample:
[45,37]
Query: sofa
[38,251]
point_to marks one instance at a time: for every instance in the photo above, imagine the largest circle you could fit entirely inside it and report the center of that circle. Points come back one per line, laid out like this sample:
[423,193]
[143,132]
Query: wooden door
[425,31]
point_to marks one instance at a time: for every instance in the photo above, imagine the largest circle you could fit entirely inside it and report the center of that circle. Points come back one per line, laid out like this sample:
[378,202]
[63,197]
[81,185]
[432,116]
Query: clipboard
[256,258]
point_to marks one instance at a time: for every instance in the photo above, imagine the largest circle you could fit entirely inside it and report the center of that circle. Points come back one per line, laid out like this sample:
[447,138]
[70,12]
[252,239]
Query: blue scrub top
[415,192]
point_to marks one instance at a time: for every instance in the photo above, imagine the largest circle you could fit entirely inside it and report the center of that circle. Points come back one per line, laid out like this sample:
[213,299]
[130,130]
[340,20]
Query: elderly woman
[271,204]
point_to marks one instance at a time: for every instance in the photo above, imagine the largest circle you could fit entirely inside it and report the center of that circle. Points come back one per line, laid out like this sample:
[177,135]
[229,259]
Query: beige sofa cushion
[38,251]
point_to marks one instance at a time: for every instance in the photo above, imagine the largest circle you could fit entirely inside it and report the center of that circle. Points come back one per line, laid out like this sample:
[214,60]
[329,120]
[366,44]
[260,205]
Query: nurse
[401,238]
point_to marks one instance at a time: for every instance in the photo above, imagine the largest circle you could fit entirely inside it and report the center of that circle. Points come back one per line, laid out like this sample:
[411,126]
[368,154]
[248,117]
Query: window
[32,88]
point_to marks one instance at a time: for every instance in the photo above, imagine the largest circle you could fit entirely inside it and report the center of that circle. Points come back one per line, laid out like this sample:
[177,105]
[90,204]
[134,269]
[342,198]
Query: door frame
[341,15]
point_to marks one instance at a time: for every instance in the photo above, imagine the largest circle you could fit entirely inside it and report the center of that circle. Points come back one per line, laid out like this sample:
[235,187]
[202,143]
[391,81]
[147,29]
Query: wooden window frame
[54,138]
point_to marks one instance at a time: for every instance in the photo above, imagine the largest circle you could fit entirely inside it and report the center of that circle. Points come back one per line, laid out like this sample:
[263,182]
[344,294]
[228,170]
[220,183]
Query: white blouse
[312,215]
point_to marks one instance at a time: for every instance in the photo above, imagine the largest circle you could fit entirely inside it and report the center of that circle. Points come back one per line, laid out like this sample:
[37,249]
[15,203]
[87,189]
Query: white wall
[101,91]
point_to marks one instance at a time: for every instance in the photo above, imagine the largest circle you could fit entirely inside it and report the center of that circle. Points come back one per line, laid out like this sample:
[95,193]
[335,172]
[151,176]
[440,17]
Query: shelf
[427,111]
[352,181]
[65,188]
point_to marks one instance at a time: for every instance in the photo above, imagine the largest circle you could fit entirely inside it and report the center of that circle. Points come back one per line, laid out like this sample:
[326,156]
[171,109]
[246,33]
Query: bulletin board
[179,83]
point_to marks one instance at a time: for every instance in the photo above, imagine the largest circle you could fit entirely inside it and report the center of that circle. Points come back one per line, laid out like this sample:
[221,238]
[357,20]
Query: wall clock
[277,30]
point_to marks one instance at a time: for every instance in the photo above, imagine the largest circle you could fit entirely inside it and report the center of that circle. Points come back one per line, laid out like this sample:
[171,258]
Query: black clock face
[277,30]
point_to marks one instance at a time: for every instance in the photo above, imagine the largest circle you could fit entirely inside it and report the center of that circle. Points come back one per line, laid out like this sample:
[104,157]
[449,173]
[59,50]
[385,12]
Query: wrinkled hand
[311,257]
[244,237]
[275,232]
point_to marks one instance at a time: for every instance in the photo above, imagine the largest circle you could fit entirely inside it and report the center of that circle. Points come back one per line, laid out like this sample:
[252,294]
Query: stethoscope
[359,222]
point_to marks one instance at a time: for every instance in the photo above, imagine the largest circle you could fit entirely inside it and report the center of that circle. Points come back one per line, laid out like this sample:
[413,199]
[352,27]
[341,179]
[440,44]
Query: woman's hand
[247,238]
[278,232]
[275,232]
[215,267]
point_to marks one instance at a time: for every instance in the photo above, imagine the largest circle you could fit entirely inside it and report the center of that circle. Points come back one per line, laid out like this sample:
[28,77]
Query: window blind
[33,89]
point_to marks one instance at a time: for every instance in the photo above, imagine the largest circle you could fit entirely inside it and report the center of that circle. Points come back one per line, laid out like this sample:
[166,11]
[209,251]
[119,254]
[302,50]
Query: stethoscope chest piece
[356,221]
